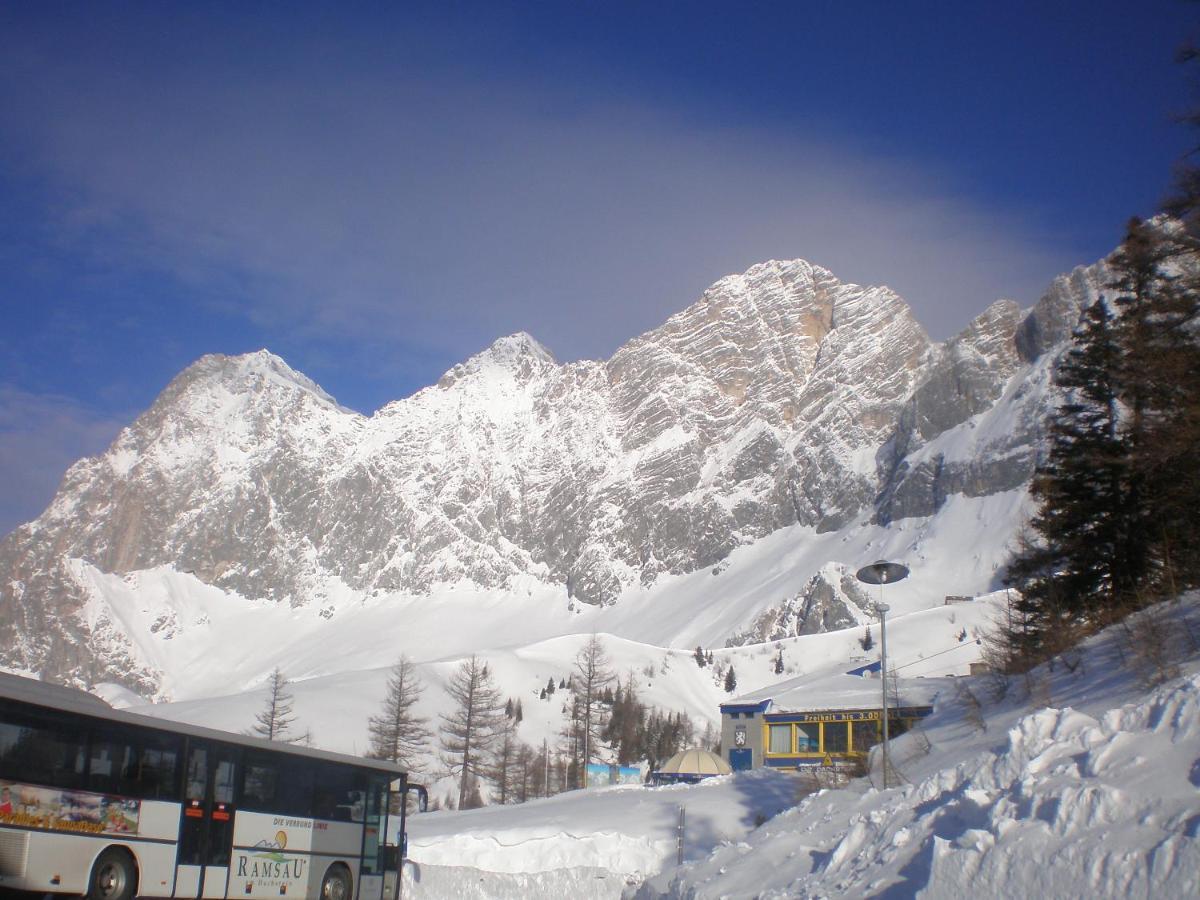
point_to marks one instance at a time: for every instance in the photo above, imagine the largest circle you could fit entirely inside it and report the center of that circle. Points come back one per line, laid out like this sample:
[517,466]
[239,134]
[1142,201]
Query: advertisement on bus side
[272,855]
[58,810]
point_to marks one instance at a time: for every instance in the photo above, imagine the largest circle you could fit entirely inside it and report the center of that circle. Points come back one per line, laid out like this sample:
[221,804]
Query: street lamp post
[882,572]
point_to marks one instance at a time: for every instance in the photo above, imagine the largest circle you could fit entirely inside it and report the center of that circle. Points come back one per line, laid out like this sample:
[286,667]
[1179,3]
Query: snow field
[1099,799]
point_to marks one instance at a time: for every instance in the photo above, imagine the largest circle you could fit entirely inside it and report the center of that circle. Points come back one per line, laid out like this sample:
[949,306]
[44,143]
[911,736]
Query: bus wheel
[336,884]
[113,876]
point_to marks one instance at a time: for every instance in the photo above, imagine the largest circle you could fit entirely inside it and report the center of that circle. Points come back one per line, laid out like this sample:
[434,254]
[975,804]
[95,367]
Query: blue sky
[377,192]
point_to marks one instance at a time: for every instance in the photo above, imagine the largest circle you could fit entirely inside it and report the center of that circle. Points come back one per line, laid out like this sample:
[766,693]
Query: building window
[808,737]
[836,737]
[865,735]
[781,739]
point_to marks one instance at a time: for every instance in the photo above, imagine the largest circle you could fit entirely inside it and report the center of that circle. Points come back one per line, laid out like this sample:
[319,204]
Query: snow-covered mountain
[674,494]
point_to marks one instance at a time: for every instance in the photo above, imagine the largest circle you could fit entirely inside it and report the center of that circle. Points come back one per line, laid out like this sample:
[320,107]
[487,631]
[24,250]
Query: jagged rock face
[1054,319]
[781,396]
[832,599]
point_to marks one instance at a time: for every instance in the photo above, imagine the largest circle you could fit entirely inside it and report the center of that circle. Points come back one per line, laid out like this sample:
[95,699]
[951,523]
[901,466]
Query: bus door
[206,829]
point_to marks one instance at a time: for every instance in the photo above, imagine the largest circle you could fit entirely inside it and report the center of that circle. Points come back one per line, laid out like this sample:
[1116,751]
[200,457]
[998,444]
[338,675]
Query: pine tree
[624,724]
[1084,554]
[274,722]
[468,734]
[701,661]
[397,733]
[779,662]
[1159,297]
[730,681]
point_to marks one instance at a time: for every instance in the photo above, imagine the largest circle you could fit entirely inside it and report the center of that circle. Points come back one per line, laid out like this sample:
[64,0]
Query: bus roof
[70,700]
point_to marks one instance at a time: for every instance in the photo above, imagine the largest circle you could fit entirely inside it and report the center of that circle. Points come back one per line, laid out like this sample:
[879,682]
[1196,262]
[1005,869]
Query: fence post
[679,840]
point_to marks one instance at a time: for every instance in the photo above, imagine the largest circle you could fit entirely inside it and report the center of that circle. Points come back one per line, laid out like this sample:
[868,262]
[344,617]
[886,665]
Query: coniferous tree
[1083,556]
[867,641]
[1158,287]
[1119,520]
[469,732]
[397,733]
[274,722]
[730,681]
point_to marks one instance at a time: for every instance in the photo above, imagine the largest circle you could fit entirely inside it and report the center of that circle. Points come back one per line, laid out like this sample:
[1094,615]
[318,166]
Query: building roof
[836,690]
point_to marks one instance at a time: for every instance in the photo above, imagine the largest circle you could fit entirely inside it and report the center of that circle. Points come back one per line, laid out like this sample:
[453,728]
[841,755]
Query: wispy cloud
[40,437]
[400,212]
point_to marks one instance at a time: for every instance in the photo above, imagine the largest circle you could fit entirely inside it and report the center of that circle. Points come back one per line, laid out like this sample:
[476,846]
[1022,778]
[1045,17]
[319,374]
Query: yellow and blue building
[809,721]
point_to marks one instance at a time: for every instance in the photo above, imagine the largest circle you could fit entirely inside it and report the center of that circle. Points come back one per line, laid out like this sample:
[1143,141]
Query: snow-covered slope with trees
[1076,779]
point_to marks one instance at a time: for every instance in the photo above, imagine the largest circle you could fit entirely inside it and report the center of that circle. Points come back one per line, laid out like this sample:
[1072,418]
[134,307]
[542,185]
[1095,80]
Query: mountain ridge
[781,397]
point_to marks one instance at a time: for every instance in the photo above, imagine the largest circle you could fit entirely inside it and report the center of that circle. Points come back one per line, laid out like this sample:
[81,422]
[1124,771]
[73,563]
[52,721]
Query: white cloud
[443,215]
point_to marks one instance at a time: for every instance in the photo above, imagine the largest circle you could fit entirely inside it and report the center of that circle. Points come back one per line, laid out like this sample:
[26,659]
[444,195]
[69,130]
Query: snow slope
[340,675]
[1096,794]
[207,643]
[1079,781]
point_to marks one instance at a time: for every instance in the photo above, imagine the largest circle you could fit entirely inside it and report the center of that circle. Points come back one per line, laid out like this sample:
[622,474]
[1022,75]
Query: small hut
[689,767]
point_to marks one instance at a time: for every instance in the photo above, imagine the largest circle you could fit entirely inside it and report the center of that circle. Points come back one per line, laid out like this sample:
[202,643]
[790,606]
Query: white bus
[112,805]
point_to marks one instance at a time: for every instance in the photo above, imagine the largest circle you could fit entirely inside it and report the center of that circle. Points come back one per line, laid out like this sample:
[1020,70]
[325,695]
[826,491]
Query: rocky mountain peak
[259,372]
[1055,316]
[516,357]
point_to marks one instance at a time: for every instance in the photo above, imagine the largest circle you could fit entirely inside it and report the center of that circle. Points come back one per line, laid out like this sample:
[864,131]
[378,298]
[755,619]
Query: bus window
[158,772]
[223,783]
[376,801]
[258,787]
[337,793]
[197,774]
[39,751]
[295,787]
[112,765]
[220,833]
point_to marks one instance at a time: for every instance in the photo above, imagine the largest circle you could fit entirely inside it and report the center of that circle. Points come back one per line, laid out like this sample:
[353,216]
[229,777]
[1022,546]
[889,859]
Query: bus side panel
[64,832]
[285,855]
[62,863]
[156,861]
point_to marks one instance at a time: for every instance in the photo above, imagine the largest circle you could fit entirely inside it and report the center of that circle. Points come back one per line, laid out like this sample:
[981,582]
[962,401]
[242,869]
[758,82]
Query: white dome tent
[690,766]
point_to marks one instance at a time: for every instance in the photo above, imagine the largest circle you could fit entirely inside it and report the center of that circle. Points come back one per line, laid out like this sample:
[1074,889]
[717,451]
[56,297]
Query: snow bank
[1070,803]
[627,832]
